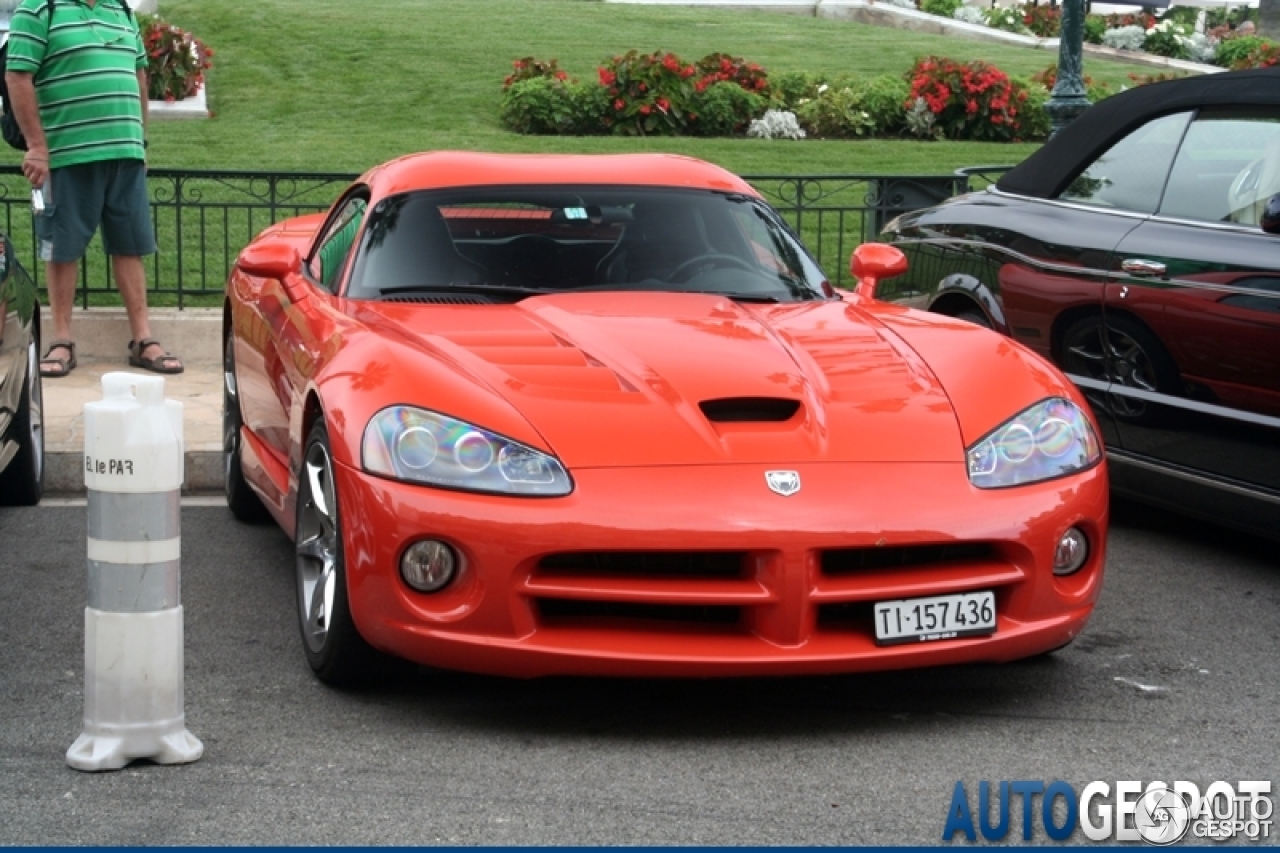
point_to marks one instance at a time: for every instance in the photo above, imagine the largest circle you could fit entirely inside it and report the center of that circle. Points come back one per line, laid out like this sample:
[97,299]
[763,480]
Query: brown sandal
[160,364]
[51,367]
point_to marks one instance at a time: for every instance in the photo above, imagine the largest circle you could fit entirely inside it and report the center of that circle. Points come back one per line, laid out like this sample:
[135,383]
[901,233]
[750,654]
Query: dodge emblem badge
[785,483]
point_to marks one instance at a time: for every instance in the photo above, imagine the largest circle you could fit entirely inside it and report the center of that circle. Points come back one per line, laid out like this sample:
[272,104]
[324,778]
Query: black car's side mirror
[1270,219]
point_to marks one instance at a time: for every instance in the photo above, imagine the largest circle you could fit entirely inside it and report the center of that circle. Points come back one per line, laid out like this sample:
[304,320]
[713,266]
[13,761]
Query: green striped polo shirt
[85,61]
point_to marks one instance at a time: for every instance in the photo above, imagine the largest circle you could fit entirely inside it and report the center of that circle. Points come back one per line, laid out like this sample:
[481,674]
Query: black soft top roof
[1046,172]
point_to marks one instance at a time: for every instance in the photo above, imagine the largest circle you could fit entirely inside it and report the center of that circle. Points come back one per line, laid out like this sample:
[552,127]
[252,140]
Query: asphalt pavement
[1176,677]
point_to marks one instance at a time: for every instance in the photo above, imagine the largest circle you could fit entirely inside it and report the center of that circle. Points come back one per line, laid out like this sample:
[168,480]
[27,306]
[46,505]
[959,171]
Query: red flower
[645,109]
[618,104]
[607,77]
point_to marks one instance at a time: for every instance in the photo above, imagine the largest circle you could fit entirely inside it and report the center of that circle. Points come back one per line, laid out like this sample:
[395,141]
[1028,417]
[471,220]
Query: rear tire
[22,481]
[1122,351]
[242,500]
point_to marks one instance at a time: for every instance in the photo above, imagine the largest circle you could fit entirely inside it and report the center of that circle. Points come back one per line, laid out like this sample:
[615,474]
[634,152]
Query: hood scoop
[730,410]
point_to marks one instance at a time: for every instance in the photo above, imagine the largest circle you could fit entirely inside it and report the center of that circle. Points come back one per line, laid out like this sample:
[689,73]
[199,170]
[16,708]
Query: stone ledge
[102,334]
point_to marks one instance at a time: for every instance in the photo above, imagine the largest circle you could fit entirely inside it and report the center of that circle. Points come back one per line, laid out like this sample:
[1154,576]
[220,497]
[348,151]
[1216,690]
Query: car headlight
[419,446]
[1051,439]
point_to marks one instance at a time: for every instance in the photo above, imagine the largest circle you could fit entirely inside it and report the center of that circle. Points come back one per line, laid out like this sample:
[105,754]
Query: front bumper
[702,571]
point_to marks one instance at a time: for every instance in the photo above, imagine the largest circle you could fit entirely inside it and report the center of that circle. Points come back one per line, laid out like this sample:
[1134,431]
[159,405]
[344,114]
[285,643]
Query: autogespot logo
[1158,814]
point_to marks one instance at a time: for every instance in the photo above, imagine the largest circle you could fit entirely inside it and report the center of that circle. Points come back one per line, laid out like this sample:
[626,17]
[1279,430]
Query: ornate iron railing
[204,217]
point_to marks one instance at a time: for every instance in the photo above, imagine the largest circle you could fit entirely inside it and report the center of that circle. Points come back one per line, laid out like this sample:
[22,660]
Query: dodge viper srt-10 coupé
[537,414]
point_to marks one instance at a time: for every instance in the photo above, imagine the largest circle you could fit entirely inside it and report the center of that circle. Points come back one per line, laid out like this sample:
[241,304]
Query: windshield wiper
[466,287]
[738,297]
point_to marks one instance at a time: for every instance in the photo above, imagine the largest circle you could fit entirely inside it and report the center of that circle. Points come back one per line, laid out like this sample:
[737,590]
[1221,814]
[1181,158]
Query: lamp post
[1068,99]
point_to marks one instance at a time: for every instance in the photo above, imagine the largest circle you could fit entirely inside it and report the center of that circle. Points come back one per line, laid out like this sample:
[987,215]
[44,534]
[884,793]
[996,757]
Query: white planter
[194,107]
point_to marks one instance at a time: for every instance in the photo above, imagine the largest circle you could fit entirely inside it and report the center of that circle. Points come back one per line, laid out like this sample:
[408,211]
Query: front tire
[22,481]
[338,655]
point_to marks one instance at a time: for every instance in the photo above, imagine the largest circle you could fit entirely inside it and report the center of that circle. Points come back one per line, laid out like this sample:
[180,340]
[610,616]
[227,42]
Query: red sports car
[534,415]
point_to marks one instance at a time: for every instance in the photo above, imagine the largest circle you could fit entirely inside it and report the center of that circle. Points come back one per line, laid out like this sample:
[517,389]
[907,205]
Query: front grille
[559,612]
[646,564]
[851,560]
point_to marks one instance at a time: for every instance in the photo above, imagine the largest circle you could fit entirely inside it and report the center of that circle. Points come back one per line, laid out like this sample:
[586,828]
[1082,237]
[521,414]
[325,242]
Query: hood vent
[442,299]
[749,409]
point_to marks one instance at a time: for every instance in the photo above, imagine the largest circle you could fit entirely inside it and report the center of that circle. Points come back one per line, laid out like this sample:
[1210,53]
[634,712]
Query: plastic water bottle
[42,216]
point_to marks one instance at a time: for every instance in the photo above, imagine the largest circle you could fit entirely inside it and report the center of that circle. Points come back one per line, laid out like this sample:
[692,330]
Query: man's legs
[131,278]
[62,295]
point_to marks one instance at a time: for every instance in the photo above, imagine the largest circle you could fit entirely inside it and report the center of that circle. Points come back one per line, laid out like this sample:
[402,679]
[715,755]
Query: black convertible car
[1139,249]
[21,401]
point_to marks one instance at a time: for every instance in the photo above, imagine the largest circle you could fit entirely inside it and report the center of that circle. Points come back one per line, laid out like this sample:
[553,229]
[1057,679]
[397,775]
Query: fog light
[428,566]
[1072,551]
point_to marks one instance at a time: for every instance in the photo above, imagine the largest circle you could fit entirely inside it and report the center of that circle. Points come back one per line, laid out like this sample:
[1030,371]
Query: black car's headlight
[1051,439]
[419,446]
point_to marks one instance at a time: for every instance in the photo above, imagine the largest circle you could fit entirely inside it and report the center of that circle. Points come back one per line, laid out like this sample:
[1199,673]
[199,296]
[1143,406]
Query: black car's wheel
[335,650]
[976,317]
[241,499]
[1122,351]
[22,481]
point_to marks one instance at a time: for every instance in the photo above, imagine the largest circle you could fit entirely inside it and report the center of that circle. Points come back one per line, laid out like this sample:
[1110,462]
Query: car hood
[611,379]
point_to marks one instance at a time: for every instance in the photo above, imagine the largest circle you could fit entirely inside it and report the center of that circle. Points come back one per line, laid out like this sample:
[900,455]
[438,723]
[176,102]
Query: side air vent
[442,299]
[749,409]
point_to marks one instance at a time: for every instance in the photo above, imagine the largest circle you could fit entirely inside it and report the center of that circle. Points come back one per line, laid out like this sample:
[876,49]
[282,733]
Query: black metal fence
[203,218]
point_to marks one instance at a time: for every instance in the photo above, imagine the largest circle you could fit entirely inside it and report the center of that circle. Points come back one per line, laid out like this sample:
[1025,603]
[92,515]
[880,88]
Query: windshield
[506,243]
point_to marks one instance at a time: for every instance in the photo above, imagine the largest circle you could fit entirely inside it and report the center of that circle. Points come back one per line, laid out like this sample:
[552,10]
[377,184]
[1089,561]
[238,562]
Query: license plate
[940,617]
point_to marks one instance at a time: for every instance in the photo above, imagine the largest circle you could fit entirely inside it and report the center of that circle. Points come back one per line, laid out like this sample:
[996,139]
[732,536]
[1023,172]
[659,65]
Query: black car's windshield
[506,243]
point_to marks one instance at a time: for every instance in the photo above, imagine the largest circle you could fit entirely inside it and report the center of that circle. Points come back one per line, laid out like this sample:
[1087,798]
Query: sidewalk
[102,335]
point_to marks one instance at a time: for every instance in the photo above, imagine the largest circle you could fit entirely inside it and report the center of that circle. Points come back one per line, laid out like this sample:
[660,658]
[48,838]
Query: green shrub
[835,113]
[724,109]
[1245,52]
[943,8]
[1033,121]
[788,89]
[882,98]
[1094,27]
[537,105]
[1006,18]
[1168,39]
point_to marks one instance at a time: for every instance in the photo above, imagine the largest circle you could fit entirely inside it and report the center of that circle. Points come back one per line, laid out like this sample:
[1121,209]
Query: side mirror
[873,261]
[1270,219]
[269,260]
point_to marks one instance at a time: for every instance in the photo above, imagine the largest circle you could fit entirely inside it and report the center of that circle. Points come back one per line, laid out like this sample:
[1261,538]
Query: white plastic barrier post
[133,656]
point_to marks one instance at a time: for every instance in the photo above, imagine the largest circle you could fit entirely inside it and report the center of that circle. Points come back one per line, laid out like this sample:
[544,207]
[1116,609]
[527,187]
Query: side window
[1227,168]
[335,246]
[1131,174]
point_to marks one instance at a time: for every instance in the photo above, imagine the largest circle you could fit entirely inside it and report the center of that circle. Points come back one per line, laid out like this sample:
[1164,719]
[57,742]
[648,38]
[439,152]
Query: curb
[64,472]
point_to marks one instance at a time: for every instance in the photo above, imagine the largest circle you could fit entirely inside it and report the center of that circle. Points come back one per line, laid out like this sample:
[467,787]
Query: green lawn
[335,85]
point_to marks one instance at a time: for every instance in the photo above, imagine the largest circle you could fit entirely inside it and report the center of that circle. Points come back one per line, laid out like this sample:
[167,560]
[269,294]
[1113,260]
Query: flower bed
[1222,37]
[660,94]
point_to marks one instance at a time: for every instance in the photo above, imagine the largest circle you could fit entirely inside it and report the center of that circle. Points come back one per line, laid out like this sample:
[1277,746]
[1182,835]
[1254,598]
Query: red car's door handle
[1142,267]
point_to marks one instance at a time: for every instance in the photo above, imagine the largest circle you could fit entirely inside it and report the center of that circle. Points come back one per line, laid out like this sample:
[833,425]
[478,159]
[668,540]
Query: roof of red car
[469,168]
